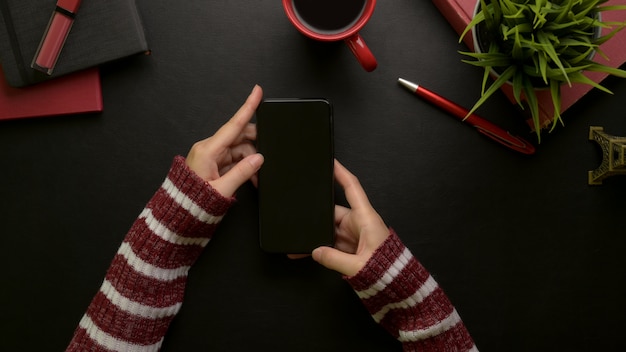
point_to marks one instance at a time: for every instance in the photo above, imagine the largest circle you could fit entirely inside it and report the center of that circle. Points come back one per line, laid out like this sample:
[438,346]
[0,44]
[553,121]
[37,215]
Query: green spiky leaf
[540,43]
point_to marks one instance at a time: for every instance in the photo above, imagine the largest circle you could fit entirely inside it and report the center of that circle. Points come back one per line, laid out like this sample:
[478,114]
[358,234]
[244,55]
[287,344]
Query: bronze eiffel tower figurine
[613,155]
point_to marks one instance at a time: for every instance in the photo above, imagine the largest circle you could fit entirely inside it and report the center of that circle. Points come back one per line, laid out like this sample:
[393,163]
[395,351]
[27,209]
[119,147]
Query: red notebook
[79,92]
[459,13]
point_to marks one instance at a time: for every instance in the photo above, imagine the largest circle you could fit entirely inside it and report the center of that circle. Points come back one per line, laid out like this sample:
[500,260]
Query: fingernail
[256,160]
[316,254]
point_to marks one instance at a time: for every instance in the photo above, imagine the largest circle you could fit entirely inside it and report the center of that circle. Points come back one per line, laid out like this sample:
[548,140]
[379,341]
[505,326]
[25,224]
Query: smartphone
[296,184]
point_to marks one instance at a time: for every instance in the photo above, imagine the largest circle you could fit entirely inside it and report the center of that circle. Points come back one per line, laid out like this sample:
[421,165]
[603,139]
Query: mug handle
[362,52]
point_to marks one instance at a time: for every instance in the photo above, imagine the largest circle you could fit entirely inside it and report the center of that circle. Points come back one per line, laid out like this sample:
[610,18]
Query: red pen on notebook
[483,126]
[54,37]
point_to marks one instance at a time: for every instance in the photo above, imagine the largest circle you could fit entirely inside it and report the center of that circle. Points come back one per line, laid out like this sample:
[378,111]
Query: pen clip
[509,140]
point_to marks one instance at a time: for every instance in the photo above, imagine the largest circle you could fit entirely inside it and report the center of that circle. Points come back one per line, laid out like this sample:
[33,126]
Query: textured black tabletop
[529,253]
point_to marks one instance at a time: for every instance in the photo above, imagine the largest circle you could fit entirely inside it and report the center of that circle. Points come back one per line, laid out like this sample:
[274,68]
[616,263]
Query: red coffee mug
[349,32]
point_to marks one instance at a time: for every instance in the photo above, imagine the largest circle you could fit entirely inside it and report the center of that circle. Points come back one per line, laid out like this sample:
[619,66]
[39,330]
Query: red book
[459,13]
[79,92]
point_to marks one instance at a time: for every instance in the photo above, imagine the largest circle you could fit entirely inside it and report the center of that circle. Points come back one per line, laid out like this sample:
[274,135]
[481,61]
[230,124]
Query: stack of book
[102,31]
[460,12]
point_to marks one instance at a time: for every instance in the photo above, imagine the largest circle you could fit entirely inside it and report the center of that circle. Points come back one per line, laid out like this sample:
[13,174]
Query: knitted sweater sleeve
[143,288]
[404,299]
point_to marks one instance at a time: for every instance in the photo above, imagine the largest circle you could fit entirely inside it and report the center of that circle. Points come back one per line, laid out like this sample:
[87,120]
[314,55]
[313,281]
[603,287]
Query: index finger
[237,124]
[355,194]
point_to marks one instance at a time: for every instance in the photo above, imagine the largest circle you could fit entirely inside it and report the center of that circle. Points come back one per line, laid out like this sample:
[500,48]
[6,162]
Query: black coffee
[329,16]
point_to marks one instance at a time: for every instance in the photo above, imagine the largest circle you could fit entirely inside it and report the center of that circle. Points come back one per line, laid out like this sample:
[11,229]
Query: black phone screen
[296,185]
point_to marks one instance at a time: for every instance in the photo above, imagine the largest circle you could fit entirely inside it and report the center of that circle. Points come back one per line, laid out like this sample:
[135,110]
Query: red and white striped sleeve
[404,298]
[144,286]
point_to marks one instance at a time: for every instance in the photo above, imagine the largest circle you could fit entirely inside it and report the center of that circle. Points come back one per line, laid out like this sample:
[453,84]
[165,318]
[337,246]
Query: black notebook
[103,31]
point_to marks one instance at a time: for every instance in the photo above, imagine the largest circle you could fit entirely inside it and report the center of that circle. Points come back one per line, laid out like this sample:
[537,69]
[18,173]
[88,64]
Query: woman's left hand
[228,158]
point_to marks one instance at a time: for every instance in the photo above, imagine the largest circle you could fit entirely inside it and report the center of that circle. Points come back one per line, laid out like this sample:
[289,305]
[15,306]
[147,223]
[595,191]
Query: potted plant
[539,44]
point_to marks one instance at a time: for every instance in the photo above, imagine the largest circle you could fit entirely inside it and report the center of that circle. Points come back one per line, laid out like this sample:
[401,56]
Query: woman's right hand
[359,229]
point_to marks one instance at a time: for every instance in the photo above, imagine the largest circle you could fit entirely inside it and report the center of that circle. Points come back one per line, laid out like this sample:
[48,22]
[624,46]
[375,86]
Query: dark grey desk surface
[532,257]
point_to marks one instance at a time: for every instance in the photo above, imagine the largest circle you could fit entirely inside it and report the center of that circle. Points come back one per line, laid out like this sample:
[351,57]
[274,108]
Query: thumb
[238,174]
[337,260]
